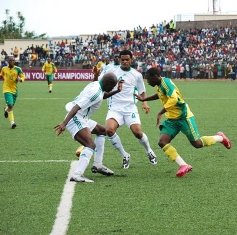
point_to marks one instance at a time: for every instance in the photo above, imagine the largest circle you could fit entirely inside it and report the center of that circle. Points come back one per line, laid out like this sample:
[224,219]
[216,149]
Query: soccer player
[80,126]
[122,108]
[106,68]
[11,75]
[179,118]
[49,69]
[115,64]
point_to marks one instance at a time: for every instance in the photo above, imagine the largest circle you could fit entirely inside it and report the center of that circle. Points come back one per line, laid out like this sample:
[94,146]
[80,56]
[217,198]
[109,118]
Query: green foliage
[12,29]
[144,199]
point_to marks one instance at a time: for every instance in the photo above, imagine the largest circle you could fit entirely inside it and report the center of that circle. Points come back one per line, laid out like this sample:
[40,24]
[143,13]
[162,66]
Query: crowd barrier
[61,75]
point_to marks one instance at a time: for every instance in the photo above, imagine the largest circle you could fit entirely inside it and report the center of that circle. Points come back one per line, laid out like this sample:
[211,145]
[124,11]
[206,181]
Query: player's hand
[59,129]
[120,85]
[145,107]
[138,97]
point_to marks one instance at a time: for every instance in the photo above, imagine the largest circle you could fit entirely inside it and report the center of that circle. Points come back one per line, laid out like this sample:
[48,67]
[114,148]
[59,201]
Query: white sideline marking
[32,161]
[64,209]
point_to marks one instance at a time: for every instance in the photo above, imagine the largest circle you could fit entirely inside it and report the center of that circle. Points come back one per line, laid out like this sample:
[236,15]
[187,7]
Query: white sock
[99,152]
[180,161]
[116,142]
[145,142]
[83,161]
[218,138]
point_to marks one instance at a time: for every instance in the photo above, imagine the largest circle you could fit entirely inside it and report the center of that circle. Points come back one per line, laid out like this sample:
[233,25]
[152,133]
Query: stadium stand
[196,52]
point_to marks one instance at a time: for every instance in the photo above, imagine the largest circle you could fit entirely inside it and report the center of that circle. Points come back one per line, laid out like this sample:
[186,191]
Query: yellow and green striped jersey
[172,100]
[49,68]
[10,78]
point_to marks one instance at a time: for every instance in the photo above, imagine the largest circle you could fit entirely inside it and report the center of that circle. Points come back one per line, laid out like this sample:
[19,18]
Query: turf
[143,199]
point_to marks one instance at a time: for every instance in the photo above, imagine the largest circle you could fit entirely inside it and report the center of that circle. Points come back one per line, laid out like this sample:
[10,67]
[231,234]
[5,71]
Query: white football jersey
[89,100]
[125,101]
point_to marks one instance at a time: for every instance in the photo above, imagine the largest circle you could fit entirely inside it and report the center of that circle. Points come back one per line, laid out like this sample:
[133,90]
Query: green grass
[141,200]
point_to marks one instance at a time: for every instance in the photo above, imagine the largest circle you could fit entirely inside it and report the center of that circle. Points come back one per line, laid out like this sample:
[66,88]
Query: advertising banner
[61,75]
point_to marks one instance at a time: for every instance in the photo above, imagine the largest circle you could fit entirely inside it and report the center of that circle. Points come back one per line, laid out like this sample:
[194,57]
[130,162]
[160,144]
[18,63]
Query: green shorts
[10,98]
[187,126]
[49,77]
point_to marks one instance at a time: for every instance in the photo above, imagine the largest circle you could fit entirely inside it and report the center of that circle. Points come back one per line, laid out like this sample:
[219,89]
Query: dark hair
[125,52]
[152,72]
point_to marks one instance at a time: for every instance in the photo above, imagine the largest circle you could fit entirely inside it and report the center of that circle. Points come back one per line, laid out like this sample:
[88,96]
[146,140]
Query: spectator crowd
[193,53]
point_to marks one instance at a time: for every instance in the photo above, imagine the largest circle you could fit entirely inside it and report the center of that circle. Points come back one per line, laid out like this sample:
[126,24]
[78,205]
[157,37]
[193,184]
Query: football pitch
[36,197]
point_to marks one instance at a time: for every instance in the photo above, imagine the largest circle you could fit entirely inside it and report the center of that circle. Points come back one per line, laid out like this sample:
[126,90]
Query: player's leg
[168,130]
[50,82]
[10,101]
[191,131]
[113,121]
[134,123]
[84,137]
[80,132]
[98,166]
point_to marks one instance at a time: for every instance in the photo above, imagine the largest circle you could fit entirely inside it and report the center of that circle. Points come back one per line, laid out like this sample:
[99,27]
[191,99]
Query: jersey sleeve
[140,84]
[88,97]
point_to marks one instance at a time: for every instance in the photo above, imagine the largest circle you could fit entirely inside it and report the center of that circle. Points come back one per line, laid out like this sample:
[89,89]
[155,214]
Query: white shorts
[124,118]
[78,123]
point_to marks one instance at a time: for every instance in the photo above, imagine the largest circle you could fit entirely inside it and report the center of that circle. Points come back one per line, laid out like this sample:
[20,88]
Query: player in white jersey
[122,108]
[80,126]
[115,64]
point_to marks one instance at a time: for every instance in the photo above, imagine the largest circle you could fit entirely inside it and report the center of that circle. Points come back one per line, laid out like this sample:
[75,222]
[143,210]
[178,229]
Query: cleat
[5,113]
[50,91]
[152,158]
[226,142]
[183,170]
[13,125]
[79,150]
[126,162]
[102,170]
[80,178]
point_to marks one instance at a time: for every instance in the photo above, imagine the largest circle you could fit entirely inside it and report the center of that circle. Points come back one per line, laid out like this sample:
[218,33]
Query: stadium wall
[199,24]
[24,43]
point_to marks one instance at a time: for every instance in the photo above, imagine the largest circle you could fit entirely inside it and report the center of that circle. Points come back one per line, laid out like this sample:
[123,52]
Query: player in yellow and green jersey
[179,118]
[49,69]
[11,75]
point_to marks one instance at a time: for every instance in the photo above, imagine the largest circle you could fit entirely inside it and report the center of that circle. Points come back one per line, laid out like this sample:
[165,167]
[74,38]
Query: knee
[91,145]
[110,132]
[138,135]
[161,143]
[197,144]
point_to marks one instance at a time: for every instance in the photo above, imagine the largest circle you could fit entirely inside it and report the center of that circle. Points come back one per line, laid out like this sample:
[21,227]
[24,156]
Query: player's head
[125,59]
[153,77]
[108,82]
[116,59]
[49,59]
[11,61]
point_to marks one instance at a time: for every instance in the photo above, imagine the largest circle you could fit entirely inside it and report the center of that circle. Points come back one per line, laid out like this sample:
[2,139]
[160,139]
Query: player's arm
[61,127]
[159,115]
[54,69]
[149,98]
[21,77]
[145,106]
[43,68]
[108,94]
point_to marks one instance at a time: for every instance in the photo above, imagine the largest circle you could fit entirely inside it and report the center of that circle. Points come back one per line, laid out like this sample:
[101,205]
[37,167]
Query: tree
[15,30]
